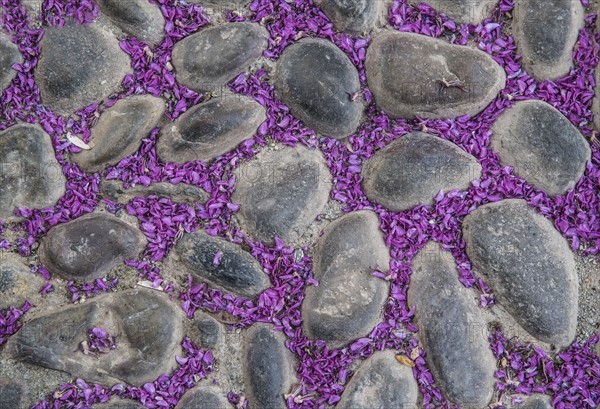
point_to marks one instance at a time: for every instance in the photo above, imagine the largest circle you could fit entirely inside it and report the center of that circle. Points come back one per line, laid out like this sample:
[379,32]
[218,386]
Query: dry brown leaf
[404,360]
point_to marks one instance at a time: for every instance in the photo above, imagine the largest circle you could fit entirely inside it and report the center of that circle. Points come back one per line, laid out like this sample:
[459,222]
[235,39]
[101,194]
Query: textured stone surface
[234,270]
[465,11]
[381,382]
[210,330]
[204,397]
[268,368]
[147,326]
[117,403]
[281,193]
[528,265]
[119,131]
[90,246]
[414,75]
[354,16]
[317,81]
[17,282]
[210,129]
[411,171]
[537,402]
[451,329]
[79,65]
[137,18]
[546,33]
[115,191]
[10,395]
[541,145]
[30,175]
[348,300]
[207,60]
[9,55]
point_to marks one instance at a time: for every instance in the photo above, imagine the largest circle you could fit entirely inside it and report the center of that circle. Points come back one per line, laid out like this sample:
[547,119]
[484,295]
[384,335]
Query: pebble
[354,17]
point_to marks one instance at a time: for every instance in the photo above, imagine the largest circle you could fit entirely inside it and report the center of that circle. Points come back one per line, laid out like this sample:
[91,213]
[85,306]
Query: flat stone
[30,175]
[117,403]
[209,328]
[210,129]
[546,33]
[465,11]
[541,145]
[207,60]
[268,367]
[354,16]
[9,55]
[10,394]
[411,171]
[413,75]
[234,270]
[115,190]
[381,382]
[281,192]
[120,130]
[79,65]
[537,402]
[316,80]
[204,397]
[147,326]
[348,301]
[137,18]
[17,282]
[451,329]
[528,265]
[90,246]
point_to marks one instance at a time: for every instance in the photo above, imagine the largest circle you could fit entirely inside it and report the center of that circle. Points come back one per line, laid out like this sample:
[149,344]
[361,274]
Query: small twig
[452,84]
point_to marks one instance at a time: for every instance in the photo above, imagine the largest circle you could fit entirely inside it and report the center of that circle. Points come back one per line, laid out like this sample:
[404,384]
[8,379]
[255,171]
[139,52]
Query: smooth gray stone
[411,171]
[90,247]
[352,16]
[528,265]
[541,145]
[210,129]
[17,282]
[546,32]
[348,301]
[9,55]
[207,60]
[181,192]
[412,75]
[30,175]
[465,11]
[204,397]
[137,18]
[451,329]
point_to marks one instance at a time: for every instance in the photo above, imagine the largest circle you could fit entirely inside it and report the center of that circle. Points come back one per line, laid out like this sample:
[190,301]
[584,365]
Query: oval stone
[381,382]
[465,11]
[147,326]
[546,33]
[210,129]
[316,80]
[90,246]
[30,176]
[268,367]
[541,145]
[207,60]
[79,65]
[9,55]
[221,263]
[355,16]
[412,75]
[204,397]
[411,171]
[137,18]
[451,329]
[528,265]
[119,132]
[281,192]
[348,301]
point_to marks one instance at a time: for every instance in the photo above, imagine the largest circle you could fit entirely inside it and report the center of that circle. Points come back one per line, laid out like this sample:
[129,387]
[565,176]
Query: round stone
[9,55]
[204,397]
[352,16]
[137,18]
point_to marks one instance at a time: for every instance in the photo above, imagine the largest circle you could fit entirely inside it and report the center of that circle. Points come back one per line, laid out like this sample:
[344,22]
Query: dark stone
[596,102]
[411,171]
[181,192]
[209,328]
[281,193]
[352,16]
[537,402]
[465,11]
[528,265]
[541,145]
[9,55]
[451,329]
[204,397]
[116,403]
[381,382]
[412,75]
[347,302]
[17,282]
[10,394]
[210,129]
[79,65]
[317,81]
[119,131]
[30,175]
[137,18]
[268,368]
[147,326]
[90,246]
[546,32]
[237,271]
[207,60]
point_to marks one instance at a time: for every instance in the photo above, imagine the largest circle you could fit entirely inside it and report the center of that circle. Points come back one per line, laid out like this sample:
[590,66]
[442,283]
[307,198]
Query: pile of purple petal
[99,342]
